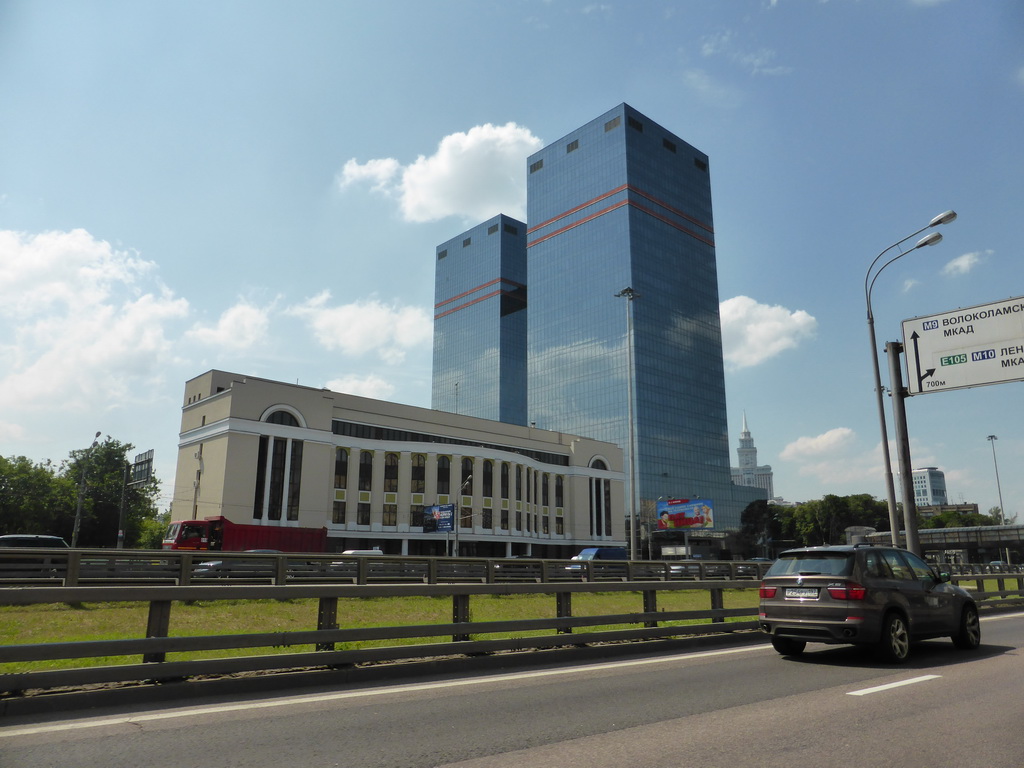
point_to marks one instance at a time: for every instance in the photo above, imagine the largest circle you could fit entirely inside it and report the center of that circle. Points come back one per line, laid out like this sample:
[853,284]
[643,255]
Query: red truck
[220,534]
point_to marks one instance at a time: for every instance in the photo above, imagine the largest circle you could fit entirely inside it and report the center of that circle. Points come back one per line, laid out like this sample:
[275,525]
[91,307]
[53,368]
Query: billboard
[686,514]
[966,347]
[439,518]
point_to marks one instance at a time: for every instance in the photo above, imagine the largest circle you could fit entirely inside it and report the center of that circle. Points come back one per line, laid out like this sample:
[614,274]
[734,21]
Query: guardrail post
[74,566]
[650,606]
[327,618]
[460,615]
[563,610]
[717,604]
[159,625]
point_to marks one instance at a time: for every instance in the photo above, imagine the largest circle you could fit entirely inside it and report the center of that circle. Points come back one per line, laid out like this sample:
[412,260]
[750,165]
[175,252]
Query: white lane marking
[324,697]
[890,686]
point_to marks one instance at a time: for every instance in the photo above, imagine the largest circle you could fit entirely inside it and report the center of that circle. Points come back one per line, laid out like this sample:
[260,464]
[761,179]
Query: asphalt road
[743,706]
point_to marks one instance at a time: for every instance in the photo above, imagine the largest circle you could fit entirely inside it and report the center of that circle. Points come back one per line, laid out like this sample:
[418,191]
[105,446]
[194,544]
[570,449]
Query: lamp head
[943,218]
[930,239]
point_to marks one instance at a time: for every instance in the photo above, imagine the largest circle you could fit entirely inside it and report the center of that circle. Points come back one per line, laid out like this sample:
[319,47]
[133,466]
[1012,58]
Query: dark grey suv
[862,594]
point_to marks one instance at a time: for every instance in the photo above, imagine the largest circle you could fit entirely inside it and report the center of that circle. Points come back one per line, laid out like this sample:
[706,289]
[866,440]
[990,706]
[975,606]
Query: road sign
[966,347]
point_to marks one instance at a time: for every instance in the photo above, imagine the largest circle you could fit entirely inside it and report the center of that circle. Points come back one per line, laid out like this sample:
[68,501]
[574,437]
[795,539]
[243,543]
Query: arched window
[545,493]
[504,479]
[391,473]
[340,467]
[559,491]
[284,418]
[466,488]
[366,471]
[488,489]
[444,474]
[418,483]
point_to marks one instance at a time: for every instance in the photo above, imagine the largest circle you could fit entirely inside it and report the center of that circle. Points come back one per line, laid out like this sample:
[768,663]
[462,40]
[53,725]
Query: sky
[259,186]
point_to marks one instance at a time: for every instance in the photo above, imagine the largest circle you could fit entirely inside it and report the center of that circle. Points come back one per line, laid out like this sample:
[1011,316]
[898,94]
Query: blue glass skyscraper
[480,323]
[623,203]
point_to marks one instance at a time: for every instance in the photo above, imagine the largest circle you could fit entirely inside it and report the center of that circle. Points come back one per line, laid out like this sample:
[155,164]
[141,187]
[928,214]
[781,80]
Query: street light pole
[81,491]
[869,284]
[1002,512]
[629,294]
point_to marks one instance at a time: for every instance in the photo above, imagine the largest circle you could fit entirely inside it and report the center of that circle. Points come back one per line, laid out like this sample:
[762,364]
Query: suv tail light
[767,593]
[849,591]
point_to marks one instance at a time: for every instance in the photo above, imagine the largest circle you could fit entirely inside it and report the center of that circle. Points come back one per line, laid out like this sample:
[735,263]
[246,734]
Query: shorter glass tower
[480,323]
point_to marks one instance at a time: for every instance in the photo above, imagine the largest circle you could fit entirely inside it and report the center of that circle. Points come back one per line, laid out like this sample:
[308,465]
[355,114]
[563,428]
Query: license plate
[801,592]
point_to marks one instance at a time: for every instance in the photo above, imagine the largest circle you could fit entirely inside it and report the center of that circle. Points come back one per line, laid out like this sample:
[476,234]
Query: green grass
[108,621]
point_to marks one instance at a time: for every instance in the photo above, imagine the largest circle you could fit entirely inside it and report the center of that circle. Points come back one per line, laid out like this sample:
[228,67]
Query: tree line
[767,528]
[43,498]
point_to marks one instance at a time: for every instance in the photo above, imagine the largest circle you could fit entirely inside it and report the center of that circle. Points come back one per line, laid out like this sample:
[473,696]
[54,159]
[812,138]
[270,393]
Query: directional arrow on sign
[917,361]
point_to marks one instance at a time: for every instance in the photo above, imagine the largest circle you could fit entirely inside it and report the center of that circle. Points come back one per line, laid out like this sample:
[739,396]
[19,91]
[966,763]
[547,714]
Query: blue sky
[259,186]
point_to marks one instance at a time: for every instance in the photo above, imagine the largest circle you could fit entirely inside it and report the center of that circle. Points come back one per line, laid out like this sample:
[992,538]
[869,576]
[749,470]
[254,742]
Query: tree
[763,528]
[105,472]
[33,499]
[38,498]
[824,521]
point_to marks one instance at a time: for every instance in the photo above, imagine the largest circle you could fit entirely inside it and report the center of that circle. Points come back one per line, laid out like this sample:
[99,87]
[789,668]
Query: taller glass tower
[480,323]
[623,203]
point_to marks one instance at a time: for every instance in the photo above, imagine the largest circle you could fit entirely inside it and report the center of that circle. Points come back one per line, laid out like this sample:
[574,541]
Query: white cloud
[364,386]
[367,326]
[240,327]
[703,85]
[757,62]
[379,173]
[961,265]
[473,175]
[827,443]
[753,332]
[76,324]
[834,461]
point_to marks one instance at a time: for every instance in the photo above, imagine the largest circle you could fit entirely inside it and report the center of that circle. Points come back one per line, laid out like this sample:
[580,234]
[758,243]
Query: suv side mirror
[944,577]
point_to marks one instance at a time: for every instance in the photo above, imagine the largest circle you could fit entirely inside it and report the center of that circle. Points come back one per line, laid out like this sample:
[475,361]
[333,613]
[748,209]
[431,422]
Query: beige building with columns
[263,452]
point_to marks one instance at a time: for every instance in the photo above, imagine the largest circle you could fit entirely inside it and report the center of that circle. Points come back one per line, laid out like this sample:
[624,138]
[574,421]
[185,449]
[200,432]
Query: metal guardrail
[82,567]
[466,636]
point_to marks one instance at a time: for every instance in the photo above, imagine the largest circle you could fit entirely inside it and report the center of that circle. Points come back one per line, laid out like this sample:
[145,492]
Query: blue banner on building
[443,516]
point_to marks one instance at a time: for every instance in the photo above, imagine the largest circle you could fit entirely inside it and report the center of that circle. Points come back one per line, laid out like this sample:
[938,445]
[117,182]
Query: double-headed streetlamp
[869,284]
[634,492]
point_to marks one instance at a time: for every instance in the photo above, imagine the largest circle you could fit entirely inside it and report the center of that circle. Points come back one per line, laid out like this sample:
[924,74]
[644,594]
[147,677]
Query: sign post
[968,347]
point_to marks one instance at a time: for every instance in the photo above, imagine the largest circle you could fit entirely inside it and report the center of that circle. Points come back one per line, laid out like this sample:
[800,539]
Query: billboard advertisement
[686,514]
[439,518]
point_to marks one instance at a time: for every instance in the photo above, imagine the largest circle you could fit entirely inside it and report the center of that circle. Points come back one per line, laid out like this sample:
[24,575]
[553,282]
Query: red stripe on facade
[477,300]
[479,288]
[610,208]
[615,191]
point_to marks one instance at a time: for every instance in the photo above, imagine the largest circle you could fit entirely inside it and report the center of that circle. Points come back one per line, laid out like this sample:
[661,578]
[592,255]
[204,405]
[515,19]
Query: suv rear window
[812,564]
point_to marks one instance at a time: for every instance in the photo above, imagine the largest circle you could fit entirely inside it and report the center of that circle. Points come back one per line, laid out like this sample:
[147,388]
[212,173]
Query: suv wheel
[895,643]
[787,646]
[968,636]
